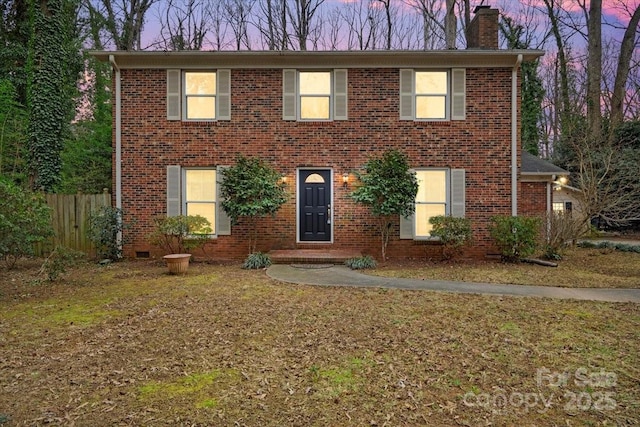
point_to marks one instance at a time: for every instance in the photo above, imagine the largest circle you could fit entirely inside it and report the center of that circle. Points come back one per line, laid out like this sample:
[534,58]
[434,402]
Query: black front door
[314,205]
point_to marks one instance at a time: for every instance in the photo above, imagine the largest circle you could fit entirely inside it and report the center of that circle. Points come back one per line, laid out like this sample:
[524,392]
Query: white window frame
[447,97]
[455,98]
[338,95]
[176,95]
[185,96]
[447,203]
[455,202]
[300,96]
[185,202]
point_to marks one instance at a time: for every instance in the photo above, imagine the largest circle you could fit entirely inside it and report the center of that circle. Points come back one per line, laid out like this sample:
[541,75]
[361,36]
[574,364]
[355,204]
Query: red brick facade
[533,200]
[480,145]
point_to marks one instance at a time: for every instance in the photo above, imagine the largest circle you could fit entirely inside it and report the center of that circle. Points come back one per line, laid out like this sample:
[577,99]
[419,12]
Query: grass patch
[189,384]
[580,268]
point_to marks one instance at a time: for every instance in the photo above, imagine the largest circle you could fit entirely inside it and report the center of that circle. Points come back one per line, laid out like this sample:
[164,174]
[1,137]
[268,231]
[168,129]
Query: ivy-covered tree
[389,189]
[13,124]
[532,89]
[251,189]
[14,41]
[53,66]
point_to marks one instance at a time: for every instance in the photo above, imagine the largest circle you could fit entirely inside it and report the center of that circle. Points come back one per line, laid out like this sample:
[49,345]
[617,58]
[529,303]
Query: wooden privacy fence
[70,215]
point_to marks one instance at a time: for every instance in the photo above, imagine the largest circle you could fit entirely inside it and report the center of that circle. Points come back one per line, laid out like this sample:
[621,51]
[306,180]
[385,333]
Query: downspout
[514,136]
[549,206]
[118,132]
[118,137]
[549,193]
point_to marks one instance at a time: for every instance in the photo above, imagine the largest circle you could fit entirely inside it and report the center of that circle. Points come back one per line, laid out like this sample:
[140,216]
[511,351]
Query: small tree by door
[251,189]
[389,189]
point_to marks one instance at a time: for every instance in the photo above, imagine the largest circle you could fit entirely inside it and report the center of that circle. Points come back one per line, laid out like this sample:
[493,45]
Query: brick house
[181,117]
[539,184]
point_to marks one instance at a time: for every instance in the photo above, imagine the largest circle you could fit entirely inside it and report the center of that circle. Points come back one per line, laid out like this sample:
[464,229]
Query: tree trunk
[565,101]
[450,25]
[622,73]
[594,69]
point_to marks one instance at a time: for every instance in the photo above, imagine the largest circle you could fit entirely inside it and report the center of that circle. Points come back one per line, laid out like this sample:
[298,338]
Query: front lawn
[128,344]
[579,268]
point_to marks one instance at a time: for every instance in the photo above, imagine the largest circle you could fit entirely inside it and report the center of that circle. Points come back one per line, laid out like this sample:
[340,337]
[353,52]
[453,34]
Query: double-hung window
[434,95]
[198,95]
[314,91]
[200,193]
[432,199]
[314,95]
[440,192]
[196,191]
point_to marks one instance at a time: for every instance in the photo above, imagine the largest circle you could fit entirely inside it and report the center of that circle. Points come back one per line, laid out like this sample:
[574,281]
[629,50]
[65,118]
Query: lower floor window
[200,194]
[431,199]
[441,191]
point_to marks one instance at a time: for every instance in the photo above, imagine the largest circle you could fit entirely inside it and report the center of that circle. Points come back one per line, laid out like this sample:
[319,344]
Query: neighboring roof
[533,165]
[302,59]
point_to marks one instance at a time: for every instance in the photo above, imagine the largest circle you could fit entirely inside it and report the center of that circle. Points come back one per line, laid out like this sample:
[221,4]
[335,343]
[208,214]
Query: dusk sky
[616,15]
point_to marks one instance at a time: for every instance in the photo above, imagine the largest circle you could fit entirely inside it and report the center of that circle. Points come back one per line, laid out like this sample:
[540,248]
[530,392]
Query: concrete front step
[312,256]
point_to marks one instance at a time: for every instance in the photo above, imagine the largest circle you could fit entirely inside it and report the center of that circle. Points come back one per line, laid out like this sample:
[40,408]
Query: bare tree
[272,24]
[183,25]
[333,36]
[594,68]
[622,71]
[122,20]
[237,13]
[608,178]
[450,24]
[219,26]
[432,22]
[387,12]
[362,19]
[407,33]
[301,14]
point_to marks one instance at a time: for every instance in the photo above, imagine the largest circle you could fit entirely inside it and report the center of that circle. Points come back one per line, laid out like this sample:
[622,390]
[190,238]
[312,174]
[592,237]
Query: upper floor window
[198,95]
[314,88]
[314,95]
[432,94]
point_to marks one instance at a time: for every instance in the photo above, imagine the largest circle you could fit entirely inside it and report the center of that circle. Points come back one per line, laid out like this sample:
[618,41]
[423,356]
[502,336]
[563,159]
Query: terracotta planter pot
[177,263]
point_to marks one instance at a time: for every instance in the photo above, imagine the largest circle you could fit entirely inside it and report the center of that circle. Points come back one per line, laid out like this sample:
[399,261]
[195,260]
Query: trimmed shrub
[105,225]
[256,261]
[454,234]
[361,263]
[515,236]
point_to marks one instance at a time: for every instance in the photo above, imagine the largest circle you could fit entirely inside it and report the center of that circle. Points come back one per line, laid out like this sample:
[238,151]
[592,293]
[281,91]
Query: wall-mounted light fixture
[559,182]
[283,179]
[345,180]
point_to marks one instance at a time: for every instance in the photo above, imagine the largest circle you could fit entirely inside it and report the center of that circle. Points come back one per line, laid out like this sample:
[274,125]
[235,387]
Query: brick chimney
[482,32]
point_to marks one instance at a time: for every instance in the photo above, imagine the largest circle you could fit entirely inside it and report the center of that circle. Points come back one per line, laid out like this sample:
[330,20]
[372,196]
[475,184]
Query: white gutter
[514,136]
[118,132]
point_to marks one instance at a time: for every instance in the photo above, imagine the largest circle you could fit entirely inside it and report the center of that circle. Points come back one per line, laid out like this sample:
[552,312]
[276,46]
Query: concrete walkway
[330,275]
